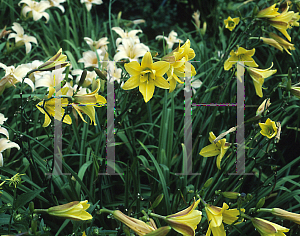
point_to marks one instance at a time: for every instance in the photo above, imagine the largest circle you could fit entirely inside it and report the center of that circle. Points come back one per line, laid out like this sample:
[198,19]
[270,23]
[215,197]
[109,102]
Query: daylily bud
[260,203]
[286,215]
[73,210]
[31,207]
[208,182]
[55,62]
[289,83]
[157,200]
[100,74]
[138,226]
[33,226]
[82,79]
[295,91]
[231,195]
[160,232]
[185,221]
[267,228]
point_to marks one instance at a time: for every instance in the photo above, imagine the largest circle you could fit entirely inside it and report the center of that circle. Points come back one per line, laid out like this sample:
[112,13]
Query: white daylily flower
[88,79]
[126,34]
[35,9]
[6,144]
[88,3]
[21,38]
[171,39]
[100,44]
[56,3]
[130,49]
[14,75]
[90,58]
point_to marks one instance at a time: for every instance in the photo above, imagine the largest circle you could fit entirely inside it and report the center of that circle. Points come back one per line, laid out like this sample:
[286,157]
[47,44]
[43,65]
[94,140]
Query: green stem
[105,211]
[40,211]
[264,210]
[13,206]
[157,216]
[246,216]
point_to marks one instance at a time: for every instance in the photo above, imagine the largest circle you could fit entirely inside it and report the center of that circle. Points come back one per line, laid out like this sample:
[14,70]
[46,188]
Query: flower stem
[157,216]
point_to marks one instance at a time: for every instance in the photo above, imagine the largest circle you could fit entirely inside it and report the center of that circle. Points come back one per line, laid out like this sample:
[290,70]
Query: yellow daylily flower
[242,55]
[55,62]
[219,148]
[86,102]
[185,221]
[138,226]
[294,21]
[272,42]
[73,210]
[177,59]
[282,22]
[283,43]
[258,76]
[146,76]
[231,23]
[267,228]
[268,12]
[47,107]
[295,91]
[217,215]
[286,215]
[268,129]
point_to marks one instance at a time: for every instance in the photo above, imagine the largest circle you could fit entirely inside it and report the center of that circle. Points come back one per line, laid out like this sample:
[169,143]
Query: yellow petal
[133,68]
[161,82]
[210,151]
[147,90]
[147,61]
[161,67]
[132,82]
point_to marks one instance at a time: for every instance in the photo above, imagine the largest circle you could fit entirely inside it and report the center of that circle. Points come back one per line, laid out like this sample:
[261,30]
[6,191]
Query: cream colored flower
[4,142]
[90,58]
[48,78]
[21,38]
[114,72]
[56,3]
[131,49]
[171,39]
[90,76]
[126,34]
[35,9]
[14,75]
[100,44]
[88,3]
